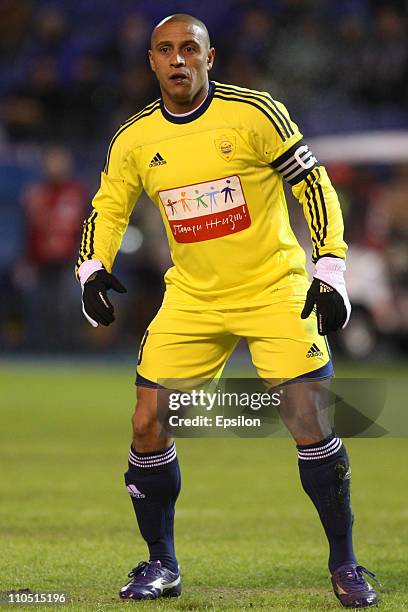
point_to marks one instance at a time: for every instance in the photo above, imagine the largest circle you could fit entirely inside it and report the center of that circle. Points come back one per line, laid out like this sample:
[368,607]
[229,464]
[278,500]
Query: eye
[163,49]
[190,49]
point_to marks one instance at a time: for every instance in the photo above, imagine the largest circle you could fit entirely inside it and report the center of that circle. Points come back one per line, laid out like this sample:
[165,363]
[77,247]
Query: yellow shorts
[185,344]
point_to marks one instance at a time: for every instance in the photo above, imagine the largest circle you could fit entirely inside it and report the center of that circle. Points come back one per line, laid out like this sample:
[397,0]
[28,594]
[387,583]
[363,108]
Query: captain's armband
[296,163]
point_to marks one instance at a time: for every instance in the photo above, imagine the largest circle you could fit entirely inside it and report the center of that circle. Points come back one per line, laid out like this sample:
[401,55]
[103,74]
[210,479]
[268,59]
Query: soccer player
[238,272]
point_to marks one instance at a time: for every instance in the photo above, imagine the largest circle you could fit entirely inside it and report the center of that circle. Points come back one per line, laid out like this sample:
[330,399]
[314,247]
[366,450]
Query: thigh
[182,345]
[283,346]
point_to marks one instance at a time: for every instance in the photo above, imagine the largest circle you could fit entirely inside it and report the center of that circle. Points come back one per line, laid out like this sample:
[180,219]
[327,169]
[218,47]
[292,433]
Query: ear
[210,58]
[151,61]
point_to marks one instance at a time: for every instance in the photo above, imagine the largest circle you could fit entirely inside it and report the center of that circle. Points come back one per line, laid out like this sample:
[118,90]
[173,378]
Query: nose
[177,60]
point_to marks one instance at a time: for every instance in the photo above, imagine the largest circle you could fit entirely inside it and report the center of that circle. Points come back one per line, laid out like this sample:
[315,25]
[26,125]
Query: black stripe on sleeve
[83,242]
[324,208]
[282,114]
[260,108]
[312,190]
[92,236]
[262,96]
[82,251]
[262,99]
[314,228]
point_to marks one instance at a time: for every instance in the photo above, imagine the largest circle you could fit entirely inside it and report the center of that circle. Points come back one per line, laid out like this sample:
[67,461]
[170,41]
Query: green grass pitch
[247,536]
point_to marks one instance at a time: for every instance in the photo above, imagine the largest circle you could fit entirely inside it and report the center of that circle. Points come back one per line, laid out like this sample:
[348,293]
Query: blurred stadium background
[71,72]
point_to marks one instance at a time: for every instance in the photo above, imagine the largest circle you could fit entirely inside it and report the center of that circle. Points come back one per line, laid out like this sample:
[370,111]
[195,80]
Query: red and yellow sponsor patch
[204,211]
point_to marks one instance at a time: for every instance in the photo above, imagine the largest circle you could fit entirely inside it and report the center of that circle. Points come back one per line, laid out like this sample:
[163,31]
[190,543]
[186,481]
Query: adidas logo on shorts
[157,161]
[314,351]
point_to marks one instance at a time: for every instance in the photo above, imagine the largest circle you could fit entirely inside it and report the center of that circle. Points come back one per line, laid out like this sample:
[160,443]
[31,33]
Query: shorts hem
[323,373]
[141,381]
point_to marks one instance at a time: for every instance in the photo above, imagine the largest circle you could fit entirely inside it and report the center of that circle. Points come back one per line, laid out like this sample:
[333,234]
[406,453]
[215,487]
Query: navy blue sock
[153,482]
[325,474]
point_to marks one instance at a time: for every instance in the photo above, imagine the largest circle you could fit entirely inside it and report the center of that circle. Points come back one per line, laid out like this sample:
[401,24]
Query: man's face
[181,58]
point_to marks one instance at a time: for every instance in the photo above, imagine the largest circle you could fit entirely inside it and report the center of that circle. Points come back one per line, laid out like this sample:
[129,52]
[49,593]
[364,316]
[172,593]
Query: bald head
[195,24]
[181,57]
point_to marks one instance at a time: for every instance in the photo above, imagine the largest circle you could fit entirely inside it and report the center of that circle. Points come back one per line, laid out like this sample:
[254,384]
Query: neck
[185,106]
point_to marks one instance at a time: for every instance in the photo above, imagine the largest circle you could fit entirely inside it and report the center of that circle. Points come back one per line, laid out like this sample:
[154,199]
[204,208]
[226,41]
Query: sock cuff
[153,459]
[320,450]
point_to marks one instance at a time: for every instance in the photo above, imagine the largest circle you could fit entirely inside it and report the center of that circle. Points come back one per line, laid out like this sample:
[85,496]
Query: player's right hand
[328,295]
[95,303]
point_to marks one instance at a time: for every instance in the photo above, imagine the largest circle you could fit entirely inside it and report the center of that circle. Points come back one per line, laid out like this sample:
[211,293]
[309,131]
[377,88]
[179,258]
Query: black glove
[331,310]
[95,303]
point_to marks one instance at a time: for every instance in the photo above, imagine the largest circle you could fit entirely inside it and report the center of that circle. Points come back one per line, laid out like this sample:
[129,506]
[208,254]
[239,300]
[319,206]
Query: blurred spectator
[14,23]
[51,31]
[255,36]
[384,61]
[136,89]
[248,61]
[54,211]
[346,60]
[36,111]
[129,46]
[392,201]
[81,67]
[13,178]
[300,63]
[88,100]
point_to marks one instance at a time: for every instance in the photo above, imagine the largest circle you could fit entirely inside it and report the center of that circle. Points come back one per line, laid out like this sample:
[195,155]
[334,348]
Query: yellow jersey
[216,175]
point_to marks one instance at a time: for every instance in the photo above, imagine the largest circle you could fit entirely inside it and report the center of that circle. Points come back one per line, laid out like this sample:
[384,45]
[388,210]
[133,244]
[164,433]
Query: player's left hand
[95,303]
[328,293]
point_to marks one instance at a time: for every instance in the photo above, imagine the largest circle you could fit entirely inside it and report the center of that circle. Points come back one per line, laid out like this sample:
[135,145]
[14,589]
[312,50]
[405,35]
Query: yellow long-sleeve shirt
[216,176]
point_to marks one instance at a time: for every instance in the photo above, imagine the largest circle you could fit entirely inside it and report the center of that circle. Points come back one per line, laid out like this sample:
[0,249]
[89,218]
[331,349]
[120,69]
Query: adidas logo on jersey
[314,351]
[134,492]
[157,161]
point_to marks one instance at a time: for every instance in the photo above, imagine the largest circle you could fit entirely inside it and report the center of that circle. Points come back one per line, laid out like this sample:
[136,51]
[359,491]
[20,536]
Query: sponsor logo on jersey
[204,211]
[157,161]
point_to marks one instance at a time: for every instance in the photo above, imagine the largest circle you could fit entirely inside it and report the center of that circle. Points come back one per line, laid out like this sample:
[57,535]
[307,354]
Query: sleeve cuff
[331,270]
[330,266]
[87,268]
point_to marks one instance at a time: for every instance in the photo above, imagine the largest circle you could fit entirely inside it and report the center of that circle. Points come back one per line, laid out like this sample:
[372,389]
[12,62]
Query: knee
[144,424]
[148,433]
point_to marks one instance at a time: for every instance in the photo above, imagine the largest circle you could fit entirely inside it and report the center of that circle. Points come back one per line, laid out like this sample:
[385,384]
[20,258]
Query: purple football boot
[149,580]
[351,588]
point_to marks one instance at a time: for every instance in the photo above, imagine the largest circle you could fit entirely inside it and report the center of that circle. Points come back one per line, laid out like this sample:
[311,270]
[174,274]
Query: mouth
[179,77]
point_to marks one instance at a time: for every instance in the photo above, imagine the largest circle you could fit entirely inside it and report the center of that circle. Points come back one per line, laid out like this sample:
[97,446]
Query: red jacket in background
[54,214]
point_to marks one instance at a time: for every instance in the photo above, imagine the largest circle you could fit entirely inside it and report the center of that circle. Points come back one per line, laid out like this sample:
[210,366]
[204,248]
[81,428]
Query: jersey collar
[191,116]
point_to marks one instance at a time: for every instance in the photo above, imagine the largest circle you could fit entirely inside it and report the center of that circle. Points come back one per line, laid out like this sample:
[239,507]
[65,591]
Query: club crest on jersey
[225,146]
